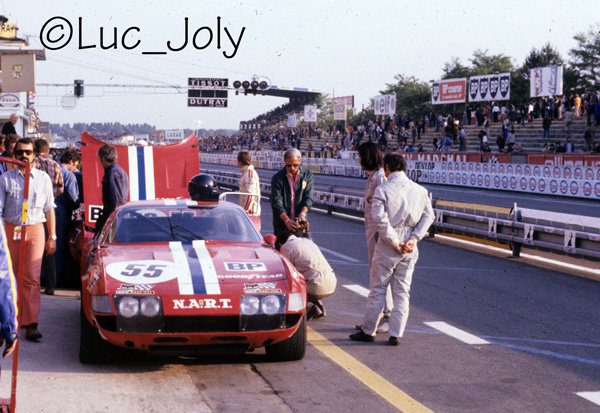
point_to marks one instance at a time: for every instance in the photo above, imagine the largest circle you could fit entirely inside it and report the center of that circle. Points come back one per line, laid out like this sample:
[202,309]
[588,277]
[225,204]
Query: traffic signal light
[78,88]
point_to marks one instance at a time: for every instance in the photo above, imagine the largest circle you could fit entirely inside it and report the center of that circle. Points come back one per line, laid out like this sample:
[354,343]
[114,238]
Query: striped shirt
[40,199]
[52,168]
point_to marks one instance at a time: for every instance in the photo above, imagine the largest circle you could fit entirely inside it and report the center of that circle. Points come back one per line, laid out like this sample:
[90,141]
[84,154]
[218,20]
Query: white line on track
[593,396]
[456,332]
[337,254]
[360,290]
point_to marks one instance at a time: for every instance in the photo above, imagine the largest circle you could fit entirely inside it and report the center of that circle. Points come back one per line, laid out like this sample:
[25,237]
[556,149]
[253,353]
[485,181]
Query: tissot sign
[207,92]
[449,91]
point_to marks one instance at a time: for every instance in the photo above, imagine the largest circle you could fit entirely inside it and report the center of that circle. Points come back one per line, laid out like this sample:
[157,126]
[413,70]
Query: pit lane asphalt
[542,326]
[355,186]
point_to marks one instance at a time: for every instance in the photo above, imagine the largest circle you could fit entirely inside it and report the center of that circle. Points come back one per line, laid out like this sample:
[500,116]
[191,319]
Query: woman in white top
[249,183]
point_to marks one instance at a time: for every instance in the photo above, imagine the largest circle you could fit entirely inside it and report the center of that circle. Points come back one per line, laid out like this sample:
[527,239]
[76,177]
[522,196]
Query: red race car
[182,277]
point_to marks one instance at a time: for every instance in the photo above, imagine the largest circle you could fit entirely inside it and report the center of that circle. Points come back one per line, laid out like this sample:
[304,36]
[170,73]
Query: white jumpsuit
[249,183]
[374,179]
[308,259]
[401,210]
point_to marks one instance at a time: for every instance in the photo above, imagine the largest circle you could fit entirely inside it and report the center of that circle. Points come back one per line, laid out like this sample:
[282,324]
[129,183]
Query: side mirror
[270,239]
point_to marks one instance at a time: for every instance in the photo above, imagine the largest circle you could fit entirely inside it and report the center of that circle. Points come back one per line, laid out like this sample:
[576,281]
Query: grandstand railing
[572,235]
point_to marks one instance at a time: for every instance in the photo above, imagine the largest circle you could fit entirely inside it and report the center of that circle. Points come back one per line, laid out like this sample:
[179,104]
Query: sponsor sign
[310,113]
[292,121]
[489,87]
[9,100]
[17,73]
[201,303]
[245,266]
[135,289]
[207,92]
[385,104]
[262,288]
[173,135]
[348,101]
[546,81]
[249,276]
[339,111]
[449,91]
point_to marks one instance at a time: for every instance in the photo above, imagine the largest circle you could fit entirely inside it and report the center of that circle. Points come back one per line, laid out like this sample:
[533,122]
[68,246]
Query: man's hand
[10,347]
[292,225]
[50,246]
[409,246]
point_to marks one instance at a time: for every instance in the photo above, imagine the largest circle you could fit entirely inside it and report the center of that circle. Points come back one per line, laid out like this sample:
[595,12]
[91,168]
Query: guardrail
[548,231]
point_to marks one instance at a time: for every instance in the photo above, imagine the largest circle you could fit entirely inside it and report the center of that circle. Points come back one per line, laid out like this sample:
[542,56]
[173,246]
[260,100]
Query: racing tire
[92,348]
[291,349]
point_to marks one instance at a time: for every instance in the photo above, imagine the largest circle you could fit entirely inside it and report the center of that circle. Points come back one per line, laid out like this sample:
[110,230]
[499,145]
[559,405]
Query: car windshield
[169,223]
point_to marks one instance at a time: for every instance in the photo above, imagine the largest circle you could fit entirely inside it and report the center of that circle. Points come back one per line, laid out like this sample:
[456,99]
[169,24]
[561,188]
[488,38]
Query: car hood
[201,267]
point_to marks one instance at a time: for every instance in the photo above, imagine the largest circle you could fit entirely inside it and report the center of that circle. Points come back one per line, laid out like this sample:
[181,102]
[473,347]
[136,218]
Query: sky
[335,47]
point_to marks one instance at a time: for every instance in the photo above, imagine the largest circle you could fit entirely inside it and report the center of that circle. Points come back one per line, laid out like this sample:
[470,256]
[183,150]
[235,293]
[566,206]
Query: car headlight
[296,302]
[150,306]
[101,304]
[129,307]
[249,305]
[270,304]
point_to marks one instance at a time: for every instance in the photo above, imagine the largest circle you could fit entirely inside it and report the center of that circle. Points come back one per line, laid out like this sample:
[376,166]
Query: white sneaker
[384,325]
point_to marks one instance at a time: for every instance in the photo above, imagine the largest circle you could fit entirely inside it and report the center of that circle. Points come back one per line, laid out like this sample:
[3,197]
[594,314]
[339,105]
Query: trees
[484,64]
[585,58]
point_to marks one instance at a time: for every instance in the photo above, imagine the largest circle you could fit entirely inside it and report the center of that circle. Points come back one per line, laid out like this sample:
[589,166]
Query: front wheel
[92,348]
[291,349]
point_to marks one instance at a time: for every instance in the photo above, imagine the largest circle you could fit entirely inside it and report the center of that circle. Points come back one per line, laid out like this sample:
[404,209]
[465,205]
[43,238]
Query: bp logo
[574,187]
[505,182]
[509,169]
[487,180]
[494,85]
[536,171]
[496,181]
[589,174]
[504,85]
[532,184]
[587,189]
[479,180]
[473,88]
[542,185]
[556,172]
[578,173]
[546,171]
[465,179]
[567,173]
[523,184]
[513,183]
[473,180]
[564,187]
[553,186]
[597,189]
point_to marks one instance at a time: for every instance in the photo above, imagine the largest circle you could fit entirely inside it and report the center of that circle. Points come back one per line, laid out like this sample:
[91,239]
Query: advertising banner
[310,113]
[385,104]
[449,91]
[546,81]
[339,111]
[346,100]
[489,87]
[291,120]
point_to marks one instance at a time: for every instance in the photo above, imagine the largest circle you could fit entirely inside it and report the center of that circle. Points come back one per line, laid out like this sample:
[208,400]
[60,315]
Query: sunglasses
[20,152]
[295,166]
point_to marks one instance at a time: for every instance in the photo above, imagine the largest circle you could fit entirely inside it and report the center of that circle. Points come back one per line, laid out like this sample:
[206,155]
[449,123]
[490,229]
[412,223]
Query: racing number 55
[150,270]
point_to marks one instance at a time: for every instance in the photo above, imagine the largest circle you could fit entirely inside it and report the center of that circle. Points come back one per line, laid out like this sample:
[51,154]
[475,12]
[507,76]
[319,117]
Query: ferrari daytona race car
[180,277]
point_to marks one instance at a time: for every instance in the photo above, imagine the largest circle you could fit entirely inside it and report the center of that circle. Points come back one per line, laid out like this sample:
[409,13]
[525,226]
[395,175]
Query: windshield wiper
[191,234]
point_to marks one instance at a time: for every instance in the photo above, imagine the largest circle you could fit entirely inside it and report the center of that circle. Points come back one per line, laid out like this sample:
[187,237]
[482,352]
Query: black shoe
[49,291]
[321,307]
[394,341]
[314,312]
[32,333]
[361,336]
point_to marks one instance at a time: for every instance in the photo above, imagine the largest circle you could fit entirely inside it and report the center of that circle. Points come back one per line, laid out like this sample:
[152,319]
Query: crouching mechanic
[402,211]
[8,299]
[308,259]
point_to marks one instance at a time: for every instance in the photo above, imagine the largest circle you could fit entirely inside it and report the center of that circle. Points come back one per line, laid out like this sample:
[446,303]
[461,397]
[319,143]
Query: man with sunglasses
[291,195]
[40,211]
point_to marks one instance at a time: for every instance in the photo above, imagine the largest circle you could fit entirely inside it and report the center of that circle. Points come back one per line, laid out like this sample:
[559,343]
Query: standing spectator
[291,195]
[569,145]
[546,126]
[9,127]
[462,139]
[511,140]
[115,184]
[43,162]
[40,210]
[9,146]
[308,259]
[495,112]
[403,213]
[588,135]
[577,105]
[9,332]
[371,160]
[249,183]
[66,203]
[501,142]
[568,116]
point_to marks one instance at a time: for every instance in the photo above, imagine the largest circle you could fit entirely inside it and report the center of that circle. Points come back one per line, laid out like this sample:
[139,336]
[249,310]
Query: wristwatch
[52,237]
